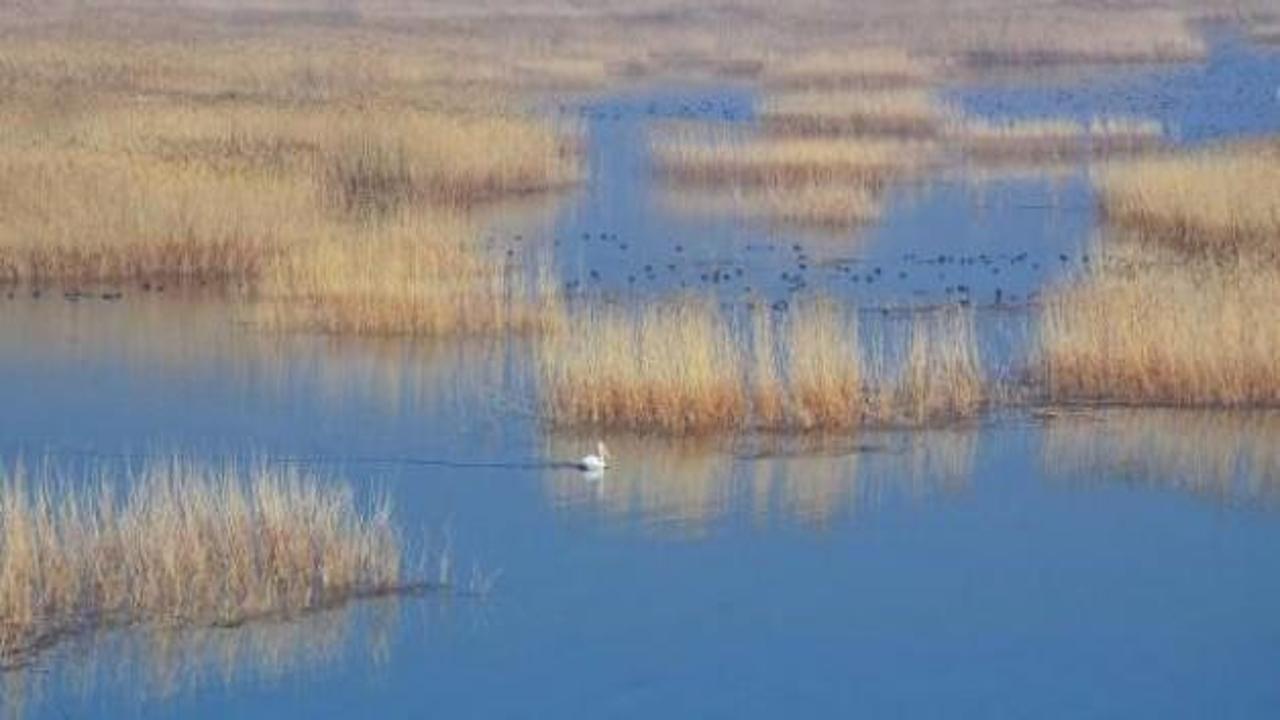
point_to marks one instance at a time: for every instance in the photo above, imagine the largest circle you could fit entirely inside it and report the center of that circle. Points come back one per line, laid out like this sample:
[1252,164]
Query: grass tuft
[1179,333]
[184,544]
[688,367]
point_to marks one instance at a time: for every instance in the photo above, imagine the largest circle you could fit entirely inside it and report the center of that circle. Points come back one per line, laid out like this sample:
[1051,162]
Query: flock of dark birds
[776,272]
[772,271]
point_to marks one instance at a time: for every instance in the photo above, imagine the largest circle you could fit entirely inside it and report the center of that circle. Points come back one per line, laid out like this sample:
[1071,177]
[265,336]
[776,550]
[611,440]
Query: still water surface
[1090,564]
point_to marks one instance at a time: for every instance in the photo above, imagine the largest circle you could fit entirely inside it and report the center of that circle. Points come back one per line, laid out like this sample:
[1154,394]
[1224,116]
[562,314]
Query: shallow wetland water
[1065,564]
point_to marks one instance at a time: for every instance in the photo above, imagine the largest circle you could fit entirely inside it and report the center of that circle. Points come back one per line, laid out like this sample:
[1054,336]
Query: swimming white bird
[595,463]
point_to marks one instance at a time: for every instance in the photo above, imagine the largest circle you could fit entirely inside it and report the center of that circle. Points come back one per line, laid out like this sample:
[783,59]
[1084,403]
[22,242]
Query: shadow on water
[167,666]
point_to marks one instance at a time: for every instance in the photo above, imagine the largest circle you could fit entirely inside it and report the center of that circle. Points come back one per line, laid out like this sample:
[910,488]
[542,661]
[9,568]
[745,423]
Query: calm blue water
[1107,564]
[1234,93]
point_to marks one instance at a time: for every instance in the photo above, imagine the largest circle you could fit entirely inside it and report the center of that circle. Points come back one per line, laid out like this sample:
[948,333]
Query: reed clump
[941,375]
[689,367]
[671,366]
[1178,333]
[214,162]
[859,68]
[824,372]
[786,162]
[900,113]
[833,182]
[1054,139]
[416,273]
[395,159]
[1061,35]
[1219,201]
[84,217]
[835,208]
[182,544]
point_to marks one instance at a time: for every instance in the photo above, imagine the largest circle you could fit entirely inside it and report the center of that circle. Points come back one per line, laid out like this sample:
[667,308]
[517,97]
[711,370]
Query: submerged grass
[687,367]
[184,544]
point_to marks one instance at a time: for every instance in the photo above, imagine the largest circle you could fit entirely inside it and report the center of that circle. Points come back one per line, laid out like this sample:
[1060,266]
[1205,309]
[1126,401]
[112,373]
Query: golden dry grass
[82,217]
[673,365]
[348,210]
[910,113]
[1179,332]
[409,274]
[941,376]
[1053,139]
[1058,34]
[1223,200]
[785,162]
[825,182]
[152,191]
[864,68]
[184,544]
[835,208]
[687,367]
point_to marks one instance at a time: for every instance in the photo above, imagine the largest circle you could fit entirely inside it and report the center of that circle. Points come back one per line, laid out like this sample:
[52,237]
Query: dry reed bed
[824,182]
[142,193]
[899,113]
[785,162]
[1053,139]
[687,367]
[186,544]
[1222,200]
[353,208]
[204,63]
[834,208]
[1059,35]
[867,68]
[409,274]
[72,216]
[1179,332]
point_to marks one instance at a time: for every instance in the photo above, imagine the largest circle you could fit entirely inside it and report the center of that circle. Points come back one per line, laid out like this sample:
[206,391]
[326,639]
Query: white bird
[595,463]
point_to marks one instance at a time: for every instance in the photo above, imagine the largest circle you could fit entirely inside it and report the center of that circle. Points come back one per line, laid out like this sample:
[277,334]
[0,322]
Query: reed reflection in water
[184,338]
[160,664]
[682,487]
[1232,458]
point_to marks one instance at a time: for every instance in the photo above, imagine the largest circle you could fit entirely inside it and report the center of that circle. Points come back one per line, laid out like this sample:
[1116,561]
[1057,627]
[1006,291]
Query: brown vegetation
[1187,333]
[1053,140]
[687,367]
[182,544]
[901,113]
[1222,200]
[785,162]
